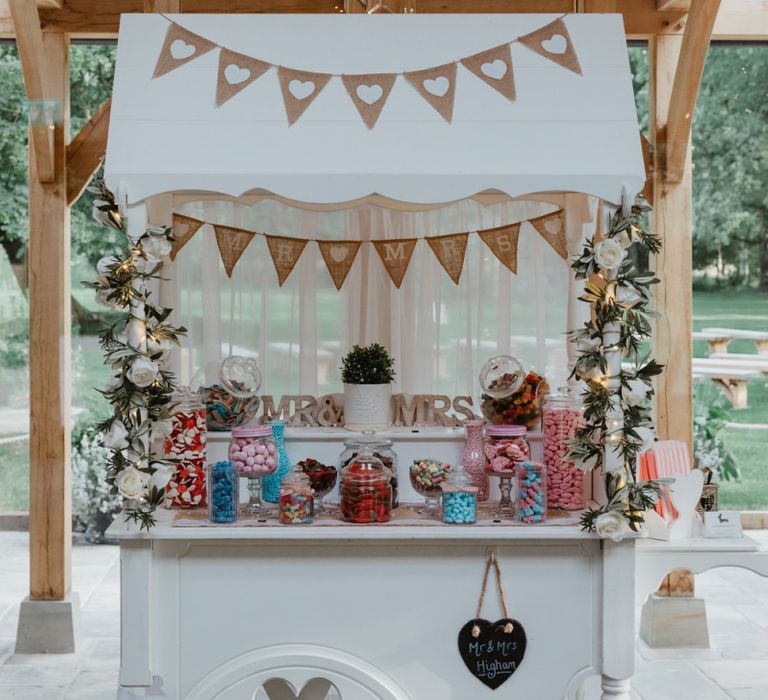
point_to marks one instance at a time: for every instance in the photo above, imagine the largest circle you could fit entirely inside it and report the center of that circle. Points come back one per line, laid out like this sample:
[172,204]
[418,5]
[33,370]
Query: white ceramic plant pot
[367,406]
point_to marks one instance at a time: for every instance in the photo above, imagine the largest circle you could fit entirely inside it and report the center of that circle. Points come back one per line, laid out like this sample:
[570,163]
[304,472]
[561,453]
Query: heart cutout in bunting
[369,94]
[502,242]
[236,72]
[494,68]
[232,243]
[551,227]
[396,256]
[300,88]
[184,227]
[437,86]
[490,652]
[554,42]
[339,257]
[180,47]
[450,251]
[285,254]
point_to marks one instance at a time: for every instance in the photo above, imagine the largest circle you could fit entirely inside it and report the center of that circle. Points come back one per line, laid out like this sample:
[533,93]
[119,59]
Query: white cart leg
[618,619]
[135,568]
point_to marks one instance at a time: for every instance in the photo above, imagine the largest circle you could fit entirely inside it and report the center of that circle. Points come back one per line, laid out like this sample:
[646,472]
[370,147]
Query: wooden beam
[86,151]
[29,39]
[50,517]
[690,67]
[167,6]
[672,219]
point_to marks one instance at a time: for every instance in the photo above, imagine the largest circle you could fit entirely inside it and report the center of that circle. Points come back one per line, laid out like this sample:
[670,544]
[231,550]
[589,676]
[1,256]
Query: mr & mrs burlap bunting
[368,91]
[395,254]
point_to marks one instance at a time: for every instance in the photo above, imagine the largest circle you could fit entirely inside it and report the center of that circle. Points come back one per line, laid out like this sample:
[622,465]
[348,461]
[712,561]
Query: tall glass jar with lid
[366,491]
[563,416]
[186,443]
[505,447]
[382,449]
[459,498]
[253,454]
[297,504]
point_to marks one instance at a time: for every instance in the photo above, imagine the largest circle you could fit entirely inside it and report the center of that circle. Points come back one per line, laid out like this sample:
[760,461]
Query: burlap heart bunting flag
[300,88]
[180,47]
[369,93]
[494,67]
[450,251]
[554,42]
[285,254]
[235,73]
[339,256]
[232,242]
[396,256]
[551,227]
[184,228]
[502,242]
[437,86]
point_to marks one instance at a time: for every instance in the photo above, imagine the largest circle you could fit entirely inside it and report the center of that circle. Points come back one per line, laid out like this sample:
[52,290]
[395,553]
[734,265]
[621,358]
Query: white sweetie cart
[215,612]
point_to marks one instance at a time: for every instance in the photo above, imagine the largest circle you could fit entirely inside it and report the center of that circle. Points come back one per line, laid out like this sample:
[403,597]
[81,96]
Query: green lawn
[749,311]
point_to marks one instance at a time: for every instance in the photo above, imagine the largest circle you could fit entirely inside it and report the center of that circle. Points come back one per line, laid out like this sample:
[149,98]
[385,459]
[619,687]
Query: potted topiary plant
[367,373]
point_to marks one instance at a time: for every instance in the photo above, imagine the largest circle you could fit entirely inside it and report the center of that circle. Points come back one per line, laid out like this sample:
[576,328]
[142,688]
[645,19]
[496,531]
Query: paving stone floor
[735,668]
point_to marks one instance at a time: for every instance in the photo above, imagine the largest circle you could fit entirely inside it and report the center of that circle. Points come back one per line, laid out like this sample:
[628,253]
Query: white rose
[612,525]
[636,393]
[588,344]
[156,247]
[627,296]
[116,438]
[142,372]
[131,483]
[646,436]
[609,254]
[624,239]
[155,346]
[142,265]
[113,383]
[160,478]
[103,267]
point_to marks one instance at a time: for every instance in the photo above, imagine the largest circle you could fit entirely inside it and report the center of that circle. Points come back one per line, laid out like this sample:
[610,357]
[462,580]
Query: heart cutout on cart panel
[557,43]
[301,90]
[313,688]
[495,70]
[438,86]
[491,653]
[180,49]
[235,75]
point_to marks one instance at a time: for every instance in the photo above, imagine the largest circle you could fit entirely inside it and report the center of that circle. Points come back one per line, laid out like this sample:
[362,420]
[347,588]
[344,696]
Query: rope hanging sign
[492,651]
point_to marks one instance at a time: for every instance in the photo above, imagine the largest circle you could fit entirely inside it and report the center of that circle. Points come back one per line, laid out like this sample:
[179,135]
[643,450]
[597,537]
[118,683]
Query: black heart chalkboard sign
[490,653]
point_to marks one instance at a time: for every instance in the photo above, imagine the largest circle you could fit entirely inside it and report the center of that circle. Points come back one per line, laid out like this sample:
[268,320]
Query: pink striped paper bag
[671,460]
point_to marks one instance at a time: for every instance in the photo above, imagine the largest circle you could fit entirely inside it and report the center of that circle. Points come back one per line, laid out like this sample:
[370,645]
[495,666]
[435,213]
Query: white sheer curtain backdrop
[440,333]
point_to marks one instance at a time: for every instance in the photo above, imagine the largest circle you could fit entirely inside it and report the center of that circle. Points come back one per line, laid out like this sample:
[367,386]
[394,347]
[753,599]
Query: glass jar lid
[297,479]
[501,376]
[457,476]
[368,439]
[366,467]
[566,396]
[185,399]
[506,430]
[251,431]
[240,376]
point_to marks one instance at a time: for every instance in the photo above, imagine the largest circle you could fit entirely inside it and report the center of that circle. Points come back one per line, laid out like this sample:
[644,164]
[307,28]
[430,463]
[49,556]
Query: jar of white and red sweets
[562,418]
[366,490]
[186,444]
[296,504]
[505,446]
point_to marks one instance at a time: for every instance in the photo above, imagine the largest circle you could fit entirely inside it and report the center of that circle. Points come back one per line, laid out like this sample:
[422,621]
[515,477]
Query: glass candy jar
[223,491]
[382,449]
[505,447]
[513,392]
[323,479]
[562,418]
[531,492]
[366,491]
[297,503]
[472,458]
[186,444]
[459,498]
[426,477]
[253,454]
[230,392]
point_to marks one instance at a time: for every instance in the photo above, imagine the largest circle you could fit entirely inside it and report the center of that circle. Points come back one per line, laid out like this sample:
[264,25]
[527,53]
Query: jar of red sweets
[505,446]
[366,491]
[185,444]
[562,418]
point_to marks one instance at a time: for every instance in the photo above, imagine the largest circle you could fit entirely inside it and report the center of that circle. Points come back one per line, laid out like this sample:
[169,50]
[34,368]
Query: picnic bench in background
[718,338]
[731,376]
[718,342]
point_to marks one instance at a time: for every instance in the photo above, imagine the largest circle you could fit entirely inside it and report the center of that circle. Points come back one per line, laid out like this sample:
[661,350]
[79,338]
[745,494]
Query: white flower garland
[140,390]
[617,412]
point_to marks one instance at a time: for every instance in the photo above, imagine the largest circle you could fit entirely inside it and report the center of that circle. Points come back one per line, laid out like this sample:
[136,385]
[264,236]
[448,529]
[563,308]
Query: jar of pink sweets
[505,446]
[562,418]
[253,454]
